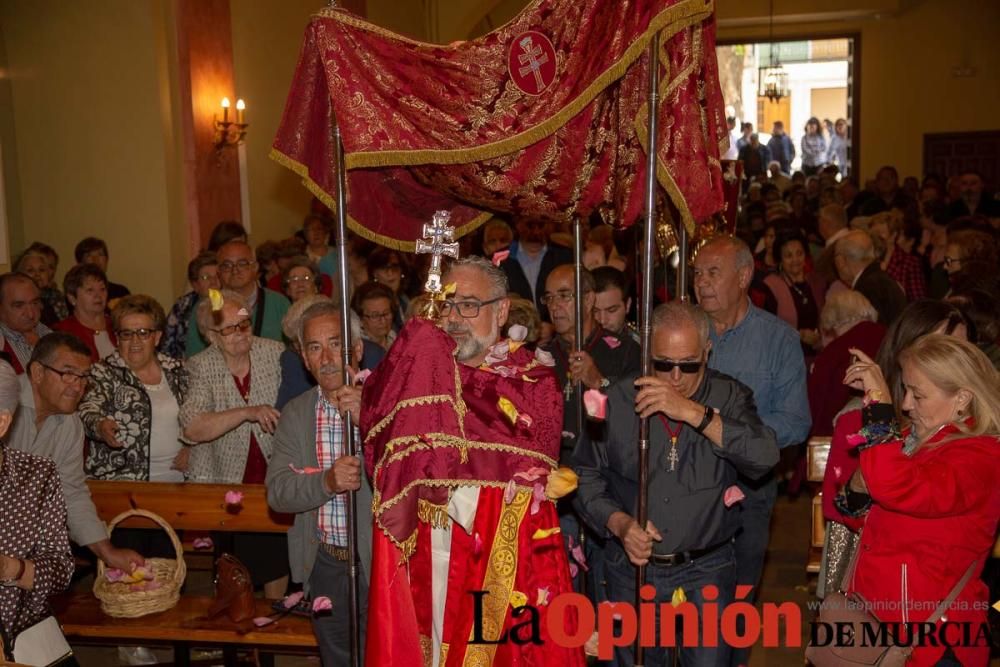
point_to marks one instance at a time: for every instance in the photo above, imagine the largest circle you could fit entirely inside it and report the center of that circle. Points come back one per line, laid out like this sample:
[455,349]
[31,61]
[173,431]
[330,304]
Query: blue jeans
[716,568]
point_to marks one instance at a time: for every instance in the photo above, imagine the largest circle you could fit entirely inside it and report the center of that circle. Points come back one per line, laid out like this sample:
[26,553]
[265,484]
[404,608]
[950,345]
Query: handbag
[233,590]
[840,610]
[40,645]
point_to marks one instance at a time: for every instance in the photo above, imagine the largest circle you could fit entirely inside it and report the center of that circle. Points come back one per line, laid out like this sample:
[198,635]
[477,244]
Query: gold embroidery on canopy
[416,401]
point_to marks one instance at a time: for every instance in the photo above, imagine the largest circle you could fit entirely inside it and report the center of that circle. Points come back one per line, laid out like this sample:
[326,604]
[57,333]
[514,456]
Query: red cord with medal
[672,457]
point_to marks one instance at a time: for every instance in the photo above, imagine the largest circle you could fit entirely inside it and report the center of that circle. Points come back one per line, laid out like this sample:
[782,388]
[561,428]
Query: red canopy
[543,117]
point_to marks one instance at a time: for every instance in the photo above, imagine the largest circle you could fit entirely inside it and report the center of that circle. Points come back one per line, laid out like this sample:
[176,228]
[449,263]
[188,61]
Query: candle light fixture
[227,132]
[772,80]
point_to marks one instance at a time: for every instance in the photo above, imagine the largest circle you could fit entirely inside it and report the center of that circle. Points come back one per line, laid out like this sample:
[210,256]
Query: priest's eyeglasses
[668,365]
[467,309]
[128,334]
[242,325]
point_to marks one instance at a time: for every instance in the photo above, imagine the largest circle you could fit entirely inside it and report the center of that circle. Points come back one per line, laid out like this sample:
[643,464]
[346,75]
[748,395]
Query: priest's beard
[471,346]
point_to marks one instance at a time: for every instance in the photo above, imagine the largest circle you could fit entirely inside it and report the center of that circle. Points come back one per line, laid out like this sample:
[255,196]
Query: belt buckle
[670,560]
[338,553]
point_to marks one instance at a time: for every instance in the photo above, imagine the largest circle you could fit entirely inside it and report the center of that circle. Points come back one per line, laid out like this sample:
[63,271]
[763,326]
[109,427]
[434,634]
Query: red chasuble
[432,425]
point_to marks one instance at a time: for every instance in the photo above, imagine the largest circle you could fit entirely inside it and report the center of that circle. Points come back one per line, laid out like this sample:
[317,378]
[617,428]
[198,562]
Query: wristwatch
[705,420]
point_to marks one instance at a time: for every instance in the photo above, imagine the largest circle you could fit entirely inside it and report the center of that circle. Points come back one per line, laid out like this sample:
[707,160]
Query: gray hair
[10,388]
[846,307]
[497,278]
[205,317]
[325,308]
[744,258]
[290,322]
[856,246]
[677,314]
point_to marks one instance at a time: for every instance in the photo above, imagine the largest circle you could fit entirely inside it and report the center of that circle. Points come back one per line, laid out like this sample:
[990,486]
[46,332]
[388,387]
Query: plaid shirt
[331,525]
[906,270]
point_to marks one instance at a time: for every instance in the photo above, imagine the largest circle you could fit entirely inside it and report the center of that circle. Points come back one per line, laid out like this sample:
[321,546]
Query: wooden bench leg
[265,659]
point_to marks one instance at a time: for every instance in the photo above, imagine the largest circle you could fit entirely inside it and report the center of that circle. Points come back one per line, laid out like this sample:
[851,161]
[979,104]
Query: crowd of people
[866,313]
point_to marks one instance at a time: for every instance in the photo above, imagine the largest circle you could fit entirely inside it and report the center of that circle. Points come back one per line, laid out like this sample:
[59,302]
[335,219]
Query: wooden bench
[817,453]
[197,507]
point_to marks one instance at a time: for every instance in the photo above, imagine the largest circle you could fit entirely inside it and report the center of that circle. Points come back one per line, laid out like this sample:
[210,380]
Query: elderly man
[237,270]
[459,428]
[20,318]
[704,432]
[601,359]
[858,268]
[531,260]
[310,474]
[611,305]
[764,353]
[47,425]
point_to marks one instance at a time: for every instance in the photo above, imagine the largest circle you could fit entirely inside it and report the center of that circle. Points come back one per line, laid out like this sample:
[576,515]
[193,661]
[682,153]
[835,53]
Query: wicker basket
[116,598]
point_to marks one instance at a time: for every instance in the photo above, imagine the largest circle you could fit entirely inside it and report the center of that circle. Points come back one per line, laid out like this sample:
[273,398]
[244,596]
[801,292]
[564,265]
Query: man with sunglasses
[47,425]
[237,270]
[704,431]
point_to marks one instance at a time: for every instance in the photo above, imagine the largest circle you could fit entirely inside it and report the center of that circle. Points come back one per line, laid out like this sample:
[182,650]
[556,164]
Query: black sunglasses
[687,367]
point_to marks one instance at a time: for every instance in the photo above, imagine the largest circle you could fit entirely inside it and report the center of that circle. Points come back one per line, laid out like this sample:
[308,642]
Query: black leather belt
[681,557]
[339,553]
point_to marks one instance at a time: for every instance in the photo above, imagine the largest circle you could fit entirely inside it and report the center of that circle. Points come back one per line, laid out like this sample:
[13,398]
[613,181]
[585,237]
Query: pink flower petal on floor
[732,496]
[517,332]
[322,603]
[291,600]
[537,496]
[510,492]
[234,497]
[531,474]
[499,256]
[202,543]
[595,403]
[544,357]
[261,621]
[612,342]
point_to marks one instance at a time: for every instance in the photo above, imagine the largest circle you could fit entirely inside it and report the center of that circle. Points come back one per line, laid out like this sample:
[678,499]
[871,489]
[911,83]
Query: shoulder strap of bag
[946,603]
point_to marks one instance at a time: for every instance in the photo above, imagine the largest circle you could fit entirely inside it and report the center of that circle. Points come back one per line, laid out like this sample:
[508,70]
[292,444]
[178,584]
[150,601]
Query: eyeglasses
[205,277]
[466,309]
[242,265]
[128,334]
[948,261]
[242,325]
[299,279]
[378,316]
[562,296]
[687,367]
[68,377]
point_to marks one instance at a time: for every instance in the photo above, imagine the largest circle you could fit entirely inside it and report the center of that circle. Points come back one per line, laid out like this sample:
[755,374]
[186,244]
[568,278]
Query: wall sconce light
[227,132]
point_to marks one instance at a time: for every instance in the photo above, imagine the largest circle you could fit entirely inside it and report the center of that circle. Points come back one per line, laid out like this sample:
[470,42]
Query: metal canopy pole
[682,262]
[646,306]
[578,316]
[349,439]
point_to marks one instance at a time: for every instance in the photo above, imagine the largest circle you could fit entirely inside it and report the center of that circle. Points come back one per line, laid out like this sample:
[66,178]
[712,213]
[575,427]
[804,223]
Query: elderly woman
[300,278]
[203,275]
[388,267]
[132,402]
[86,289]
[39,262]
[229,417]
[848,321]
[35,560]
[375,304]
[929,490]
[797,290]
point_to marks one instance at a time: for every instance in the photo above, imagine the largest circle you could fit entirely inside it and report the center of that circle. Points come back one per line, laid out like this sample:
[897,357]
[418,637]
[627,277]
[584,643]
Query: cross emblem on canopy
[439,242]
[532,57]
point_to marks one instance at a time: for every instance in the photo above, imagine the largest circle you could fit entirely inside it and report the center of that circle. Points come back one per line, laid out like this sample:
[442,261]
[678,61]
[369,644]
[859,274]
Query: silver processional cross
[439,242]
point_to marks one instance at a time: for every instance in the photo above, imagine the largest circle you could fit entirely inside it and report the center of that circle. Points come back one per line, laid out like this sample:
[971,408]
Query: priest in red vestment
[461,441]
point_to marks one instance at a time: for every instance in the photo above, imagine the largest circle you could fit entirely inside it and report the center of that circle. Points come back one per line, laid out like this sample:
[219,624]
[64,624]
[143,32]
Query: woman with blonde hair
[929,492]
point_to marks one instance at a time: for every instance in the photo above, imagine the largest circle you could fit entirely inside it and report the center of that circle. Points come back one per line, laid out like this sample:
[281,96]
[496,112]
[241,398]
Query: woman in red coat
[931,493]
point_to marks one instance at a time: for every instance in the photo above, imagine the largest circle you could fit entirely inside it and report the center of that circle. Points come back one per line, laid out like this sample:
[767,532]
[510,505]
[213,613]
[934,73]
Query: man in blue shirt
[764,353]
